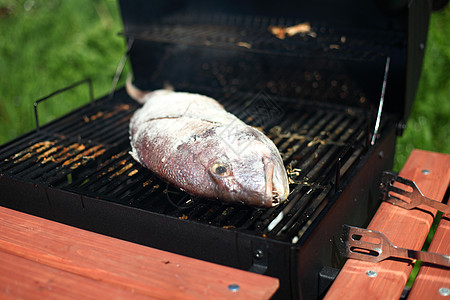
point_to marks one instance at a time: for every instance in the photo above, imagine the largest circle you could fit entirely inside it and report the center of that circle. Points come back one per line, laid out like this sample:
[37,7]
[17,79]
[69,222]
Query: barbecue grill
[318,94]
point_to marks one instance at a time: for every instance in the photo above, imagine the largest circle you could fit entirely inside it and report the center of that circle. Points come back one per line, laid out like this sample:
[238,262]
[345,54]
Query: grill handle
[91,96]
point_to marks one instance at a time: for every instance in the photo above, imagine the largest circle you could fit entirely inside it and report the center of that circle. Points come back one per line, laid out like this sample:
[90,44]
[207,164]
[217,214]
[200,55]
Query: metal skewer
[380,105]
[120,67]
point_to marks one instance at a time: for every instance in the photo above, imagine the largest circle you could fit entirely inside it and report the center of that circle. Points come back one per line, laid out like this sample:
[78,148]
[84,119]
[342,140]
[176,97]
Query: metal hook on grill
[120,67]
[91,97]
[179,207]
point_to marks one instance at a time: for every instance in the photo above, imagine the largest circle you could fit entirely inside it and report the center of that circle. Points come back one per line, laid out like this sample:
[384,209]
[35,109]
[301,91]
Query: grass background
[48,44]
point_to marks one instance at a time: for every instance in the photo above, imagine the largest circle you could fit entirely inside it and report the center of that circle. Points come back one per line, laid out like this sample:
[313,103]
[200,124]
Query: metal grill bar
[91,97]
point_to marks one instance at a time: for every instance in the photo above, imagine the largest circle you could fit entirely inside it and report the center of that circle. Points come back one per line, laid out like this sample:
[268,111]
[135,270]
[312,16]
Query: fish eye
[221,169]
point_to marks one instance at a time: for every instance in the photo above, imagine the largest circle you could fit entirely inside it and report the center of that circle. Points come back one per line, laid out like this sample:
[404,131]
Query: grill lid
[225,43]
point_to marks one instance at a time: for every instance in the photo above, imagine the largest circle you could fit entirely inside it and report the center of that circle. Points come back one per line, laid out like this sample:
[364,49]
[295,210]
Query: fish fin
[134,155]
[134,92]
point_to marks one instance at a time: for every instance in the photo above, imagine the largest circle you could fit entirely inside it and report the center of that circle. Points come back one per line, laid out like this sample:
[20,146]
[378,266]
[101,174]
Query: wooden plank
[431,278]
[74,260]
[25,279]
[404,228]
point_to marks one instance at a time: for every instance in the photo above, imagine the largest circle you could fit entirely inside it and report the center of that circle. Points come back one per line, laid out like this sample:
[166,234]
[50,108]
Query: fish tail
[168,86]
[143,96]
[134,92]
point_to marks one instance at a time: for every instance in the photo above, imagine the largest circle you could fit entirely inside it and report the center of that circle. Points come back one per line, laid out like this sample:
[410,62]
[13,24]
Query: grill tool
[354,245]
[407,199]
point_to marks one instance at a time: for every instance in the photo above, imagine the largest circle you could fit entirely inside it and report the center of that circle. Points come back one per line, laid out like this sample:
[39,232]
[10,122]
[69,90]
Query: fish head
[255,175]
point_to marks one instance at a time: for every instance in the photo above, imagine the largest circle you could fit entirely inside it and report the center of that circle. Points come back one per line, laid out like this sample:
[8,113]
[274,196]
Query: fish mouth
[274,192]
[275,198]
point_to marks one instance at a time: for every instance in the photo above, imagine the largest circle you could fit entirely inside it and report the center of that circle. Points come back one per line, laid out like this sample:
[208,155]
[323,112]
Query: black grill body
[321,89]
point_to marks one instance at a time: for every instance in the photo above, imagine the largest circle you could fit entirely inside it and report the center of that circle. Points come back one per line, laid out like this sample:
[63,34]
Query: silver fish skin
[192,142]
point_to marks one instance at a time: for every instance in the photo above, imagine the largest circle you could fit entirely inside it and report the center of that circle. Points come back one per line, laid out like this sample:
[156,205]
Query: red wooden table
[41,259]
[406,229]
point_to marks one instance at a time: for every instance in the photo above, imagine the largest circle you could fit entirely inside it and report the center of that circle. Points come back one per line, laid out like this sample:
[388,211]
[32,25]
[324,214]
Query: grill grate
[86,152]
[253,34]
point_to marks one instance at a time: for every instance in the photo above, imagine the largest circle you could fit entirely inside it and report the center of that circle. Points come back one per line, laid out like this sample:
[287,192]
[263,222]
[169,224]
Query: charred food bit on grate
[191,141]
[302,28]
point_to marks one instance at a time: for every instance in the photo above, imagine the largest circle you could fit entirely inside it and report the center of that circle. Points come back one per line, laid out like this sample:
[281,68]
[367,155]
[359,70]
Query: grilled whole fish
[192,142]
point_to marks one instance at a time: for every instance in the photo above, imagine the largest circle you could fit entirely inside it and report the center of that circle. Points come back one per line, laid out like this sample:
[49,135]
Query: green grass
[428,127]
[47,45]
